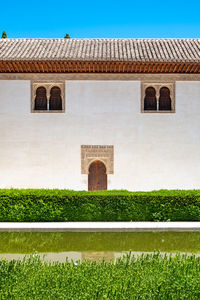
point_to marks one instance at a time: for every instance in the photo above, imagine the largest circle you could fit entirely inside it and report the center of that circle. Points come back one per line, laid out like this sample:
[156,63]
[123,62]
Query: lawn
[146,277]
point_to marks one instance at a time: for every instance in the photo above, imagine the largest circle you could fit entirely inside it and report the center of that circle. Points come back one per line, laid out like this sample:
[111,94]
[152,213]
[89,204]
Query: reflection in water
[28,242]
[98,256]
[94,245]
[81,256]
[61,257]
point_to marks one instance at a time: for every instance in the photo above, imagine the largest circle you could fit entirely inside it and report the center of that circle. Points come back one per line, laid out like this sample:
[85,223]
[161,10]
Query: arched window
[41,99]
[150,102]
[55,101]
[165,99]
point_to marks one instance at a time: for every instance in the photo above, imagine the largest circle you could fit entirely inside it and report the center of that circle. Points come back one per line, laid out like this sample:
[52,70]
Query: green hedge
[64,205]
[147,277]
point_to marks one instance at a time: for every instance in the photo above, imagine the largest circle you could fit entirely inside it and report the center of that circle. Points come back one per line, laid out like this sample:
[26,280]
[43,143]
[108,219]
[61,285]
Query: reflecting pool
[95,245]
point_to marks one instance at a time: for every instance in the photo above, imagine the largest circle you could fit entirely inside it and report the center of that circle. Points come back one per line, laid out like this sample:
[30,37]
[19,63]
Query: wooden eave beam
[98,67]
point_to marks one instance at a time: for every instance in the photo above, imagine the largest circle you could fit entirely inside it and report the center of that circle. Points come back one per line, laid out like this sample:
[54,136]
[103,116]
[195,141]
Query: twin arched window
[53,103]
[154,103]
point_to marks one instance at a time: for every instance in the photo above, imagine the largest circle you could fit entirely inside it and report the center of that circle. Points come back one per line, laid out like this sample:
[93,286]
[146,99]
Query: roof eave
[67,66]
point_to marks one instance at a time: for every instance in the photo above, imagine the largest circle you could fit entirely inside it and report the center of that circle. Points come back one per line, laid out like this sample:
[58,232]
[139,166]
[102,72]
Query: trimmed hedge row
[64,205]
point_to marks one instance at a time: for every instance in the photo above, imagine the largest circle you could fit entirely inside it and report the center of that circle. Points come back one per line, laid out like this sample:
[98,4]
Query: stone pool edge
[100,226]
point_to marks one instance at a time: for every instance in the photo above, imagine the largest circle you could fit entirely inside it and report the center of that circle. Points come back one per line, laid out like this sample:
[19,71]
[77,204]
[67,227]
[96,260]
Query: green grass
[147,277]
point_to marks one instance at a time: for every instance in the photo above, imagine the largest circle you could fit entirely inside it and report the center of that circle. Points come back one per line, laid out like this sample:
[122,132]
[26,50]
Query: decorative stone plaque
[90,153]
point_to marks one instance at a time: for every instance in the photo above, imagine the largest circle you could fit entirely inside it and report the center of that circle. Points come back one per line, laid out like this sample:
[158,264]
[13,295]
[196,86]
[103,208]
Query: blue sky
[100,19]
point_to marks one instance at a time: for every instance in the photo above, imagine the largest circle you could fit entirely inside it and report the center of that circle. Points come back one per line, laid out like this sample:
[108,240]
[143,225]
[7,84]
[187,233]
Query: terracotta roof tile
[141,50]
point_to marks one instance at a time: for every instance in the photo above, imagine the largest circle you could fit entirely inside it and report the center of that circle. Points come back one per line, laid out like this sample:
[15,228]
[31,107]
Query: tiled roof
[133,50]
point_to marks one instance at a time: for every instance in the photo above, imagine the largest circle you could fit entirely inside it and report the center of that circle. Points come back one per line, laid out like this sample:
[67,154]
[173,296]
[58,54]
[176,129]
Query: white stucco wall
[151,151]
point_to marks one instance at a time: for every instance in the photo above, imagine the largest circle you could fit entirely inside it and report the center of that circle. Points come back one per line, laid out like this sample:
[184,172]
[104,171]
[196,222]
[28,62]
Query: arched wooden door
[97,177]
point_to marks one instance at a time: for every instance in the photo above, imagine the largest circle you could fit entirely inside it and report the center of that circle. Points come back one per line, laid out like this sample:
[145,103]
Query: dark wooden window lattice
[41,99]
[150,102]
[55,101]
[164,99]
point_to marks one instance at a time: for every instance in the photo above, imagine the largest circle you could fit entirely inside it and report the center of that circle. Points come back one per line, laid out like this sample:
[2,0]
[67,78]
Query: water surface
[95,245]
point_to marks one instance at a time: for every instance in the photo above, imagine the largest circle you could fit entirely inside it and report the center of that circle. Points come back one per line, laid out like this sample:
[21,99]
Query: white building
[121,113]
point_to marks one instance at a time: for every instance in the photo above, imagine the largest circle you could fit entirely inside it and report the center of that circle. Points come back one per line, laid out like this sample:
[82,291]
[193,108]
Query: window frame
[157,86]
[48,86]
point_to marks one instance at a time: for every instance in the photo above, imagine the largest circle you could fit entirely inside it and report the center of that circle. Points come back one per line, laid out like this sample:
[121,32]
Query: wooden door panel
[97,177]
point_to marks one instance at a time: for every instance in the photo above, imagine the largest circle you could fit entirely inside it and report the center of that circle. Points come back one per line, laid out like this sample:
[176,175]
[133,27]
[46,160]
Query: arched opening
[97,177]
[150,102]
[55,101]
[164,99]
[41,99]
